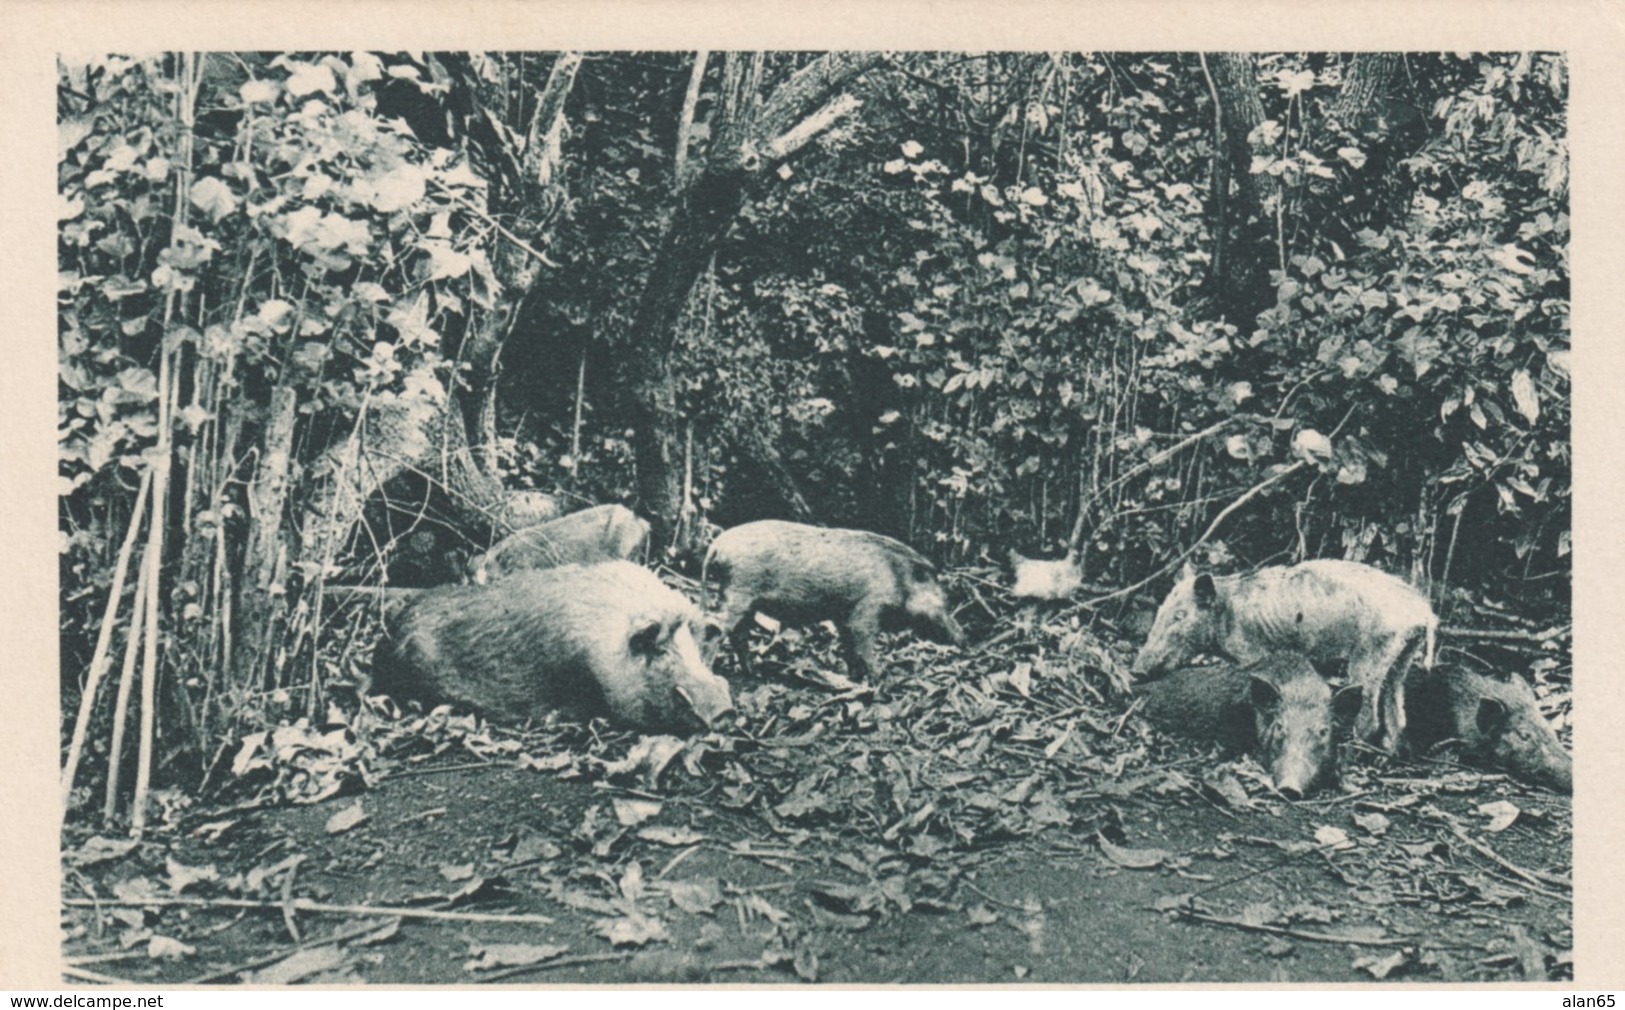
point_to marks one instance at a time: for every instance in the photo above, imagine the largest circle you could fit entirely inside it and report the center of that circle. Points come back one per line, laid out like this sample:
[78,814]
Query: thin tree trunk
[99,658]
[685,124]
[262,568]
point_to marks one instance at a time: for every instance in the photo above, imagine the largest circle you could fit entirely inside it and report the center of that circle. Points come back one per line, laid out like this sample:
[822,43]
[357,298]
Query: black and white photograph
[855,516]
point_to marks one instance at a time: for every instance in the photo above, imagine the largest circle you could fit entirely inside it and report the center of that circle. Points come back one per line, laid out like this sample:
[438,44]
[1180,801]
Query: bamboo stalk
[121,706]
[149,644]
[104,640]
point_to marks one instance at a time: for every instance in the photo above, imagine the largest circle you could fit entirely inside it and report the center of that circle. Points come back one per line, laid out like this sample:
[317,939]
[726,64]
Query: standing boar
[600,533]
[1497,723]
[608,639]
[1279,708]
[1324,609]
[797,574]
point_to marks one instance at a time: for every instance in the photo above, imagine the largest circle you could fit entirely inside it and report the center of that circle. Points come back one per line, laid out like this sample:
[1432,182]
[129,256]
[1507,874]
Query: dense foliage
[985,300]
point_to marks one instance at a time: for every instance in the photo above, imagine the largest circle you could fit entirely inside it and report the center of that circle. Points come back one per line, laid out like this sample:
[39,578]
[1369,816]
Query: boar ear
[646,637]
[1492,717]
[1187,572]
[1346,706]
[1206,592]
[1262,693]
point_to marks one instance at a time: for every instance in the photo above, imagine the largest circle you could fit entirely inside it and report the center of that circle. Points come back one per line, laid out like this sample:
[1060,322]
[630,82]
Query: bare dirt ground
[971,819]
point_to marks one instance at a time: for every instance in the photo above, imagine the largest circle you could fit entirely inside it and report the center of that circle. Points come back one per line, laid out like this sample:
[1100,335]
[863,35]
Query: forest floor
[951,825]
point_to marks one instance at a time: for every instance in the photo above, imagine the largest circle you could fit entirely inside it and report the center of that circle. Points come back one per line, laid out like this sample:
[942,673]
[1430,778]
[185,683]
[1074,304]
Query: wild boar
[1324,609]
[600,533]
[1496,722]
[1279,708]
[864,582]
[590,640]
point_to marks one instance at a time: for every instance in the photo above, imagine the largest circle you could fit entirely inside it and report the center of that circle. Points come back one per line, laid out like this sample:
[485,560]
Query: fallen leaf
[298,965]
[1380,966]
[698,897]
[981,915]
[460,871]
[633,930]
[165,948]
[510,955]
[551,763]
[212,831]
[182,876]
[634,812]
[1227,788]
[100,850]
[651,755]
[1374,823]
[350,817]
[670,836]
[1335,839]
[1279,948]
[632,882]
[535,848]
[1133,859]
[1501,813]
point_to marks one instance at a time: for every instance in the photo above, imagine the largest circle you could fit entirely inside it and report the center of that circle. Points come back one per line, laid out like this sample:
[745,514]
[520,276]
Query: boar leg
[858,635]
[736,622]
[1393,693]
[1379,672]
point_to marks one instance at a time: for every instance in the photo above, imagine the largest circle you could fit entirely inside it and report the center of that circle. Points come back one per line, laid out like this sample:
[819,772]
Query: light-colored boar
[599,533]
[864,582]
[1324,609]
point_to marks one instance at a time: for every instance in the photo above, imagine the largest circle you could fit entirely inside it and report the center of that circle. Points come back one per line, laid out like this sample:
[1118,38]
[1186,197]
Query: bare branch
[797,137]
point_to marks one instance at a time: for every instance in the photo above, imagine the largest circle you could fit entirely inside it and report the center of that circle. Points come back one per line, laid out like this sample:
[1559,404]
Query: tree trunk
[1241,235]
[1244,205]
[265,558]
[754,137]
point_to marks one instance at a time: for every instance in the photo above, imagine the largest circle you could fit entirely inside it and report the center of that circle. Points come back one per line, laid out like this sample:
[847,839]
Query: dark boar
[1497,723]
[1279,709]
[608,639]
[864,582]
[600,533]
[1324,609]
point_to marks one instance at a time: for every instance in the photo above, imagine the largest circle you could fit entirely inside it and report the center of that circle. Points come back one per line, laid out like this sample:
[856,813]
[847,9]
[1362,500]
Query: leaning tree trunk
[754,137]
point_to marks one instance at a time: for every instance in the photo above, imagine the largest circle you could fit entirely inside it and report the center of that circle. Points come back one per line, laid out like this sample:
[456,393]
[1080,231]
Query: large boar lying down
[1497,724]
[1324,609]
[864,582]
[1279,708]
[608,639]
[600,533]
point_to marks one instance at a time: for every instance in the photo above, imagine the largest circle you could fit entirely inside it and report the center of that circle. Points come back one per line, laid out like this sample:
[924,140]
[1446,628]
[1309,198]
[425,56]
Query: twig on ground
[563,962]
[275,956]
[70,971]
[306,905]
[1531,876]
[408,773]
[1304,934]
